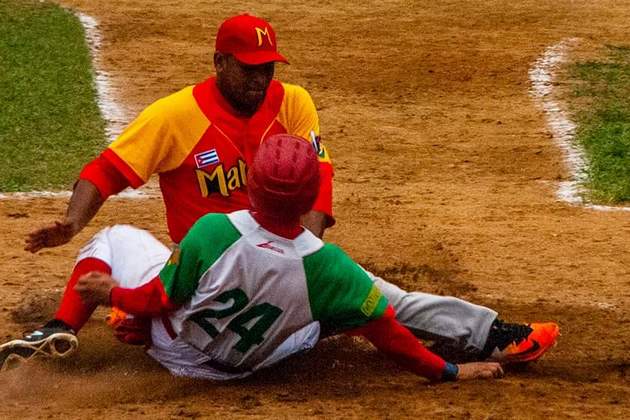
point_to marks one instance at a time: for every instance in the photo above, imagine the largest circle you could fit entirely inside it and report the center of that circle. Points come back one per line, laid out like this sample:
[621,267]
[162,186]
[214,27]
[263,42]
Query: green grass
[602,99]
[50,124]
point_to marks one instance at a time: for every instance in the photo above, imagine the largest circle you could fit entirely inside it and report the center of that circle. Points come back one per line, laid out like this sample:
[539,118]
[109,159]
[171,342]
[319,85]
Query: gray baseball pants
[459,324]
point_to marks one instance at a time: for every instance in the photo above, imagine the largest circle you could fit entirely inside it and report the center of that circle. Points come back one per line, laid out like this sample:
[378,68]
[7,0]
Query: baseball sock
[72,310]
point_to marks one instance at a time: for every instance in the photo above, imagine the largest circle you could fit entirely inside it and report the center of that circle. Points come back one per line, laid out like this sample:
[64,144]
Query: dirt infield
[445,181]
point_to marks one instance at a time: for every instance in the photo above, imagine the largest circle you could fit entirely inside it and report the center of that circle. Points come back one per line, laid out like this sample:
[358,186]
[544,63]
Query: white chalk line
[126,194]
[542,76]
[114,115]
[111,111]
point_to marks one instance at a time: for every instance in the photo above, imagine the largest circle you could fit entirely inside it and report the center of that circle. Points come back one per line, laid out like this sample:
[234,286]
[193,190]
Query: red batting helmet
[283,180]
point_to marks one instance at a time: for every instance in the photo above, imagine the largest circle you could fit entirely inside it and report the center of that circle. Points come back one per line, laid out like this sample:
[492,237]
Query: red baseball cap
[250,39]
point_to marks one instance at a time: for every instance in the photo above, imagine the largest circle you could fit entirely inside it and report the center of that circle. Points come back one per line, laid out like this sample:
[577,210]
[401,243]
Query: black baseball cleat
[54,340]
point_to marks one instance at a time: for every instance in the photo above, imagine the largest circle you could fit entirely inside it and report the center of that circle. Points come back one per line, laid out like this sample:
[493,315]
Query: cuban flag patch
[209,157]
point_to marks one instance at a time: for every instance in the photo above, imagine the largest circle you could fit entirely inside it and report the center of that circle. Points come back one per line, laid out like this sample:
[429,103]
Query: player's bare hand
[95,287]
[50,236]
[479,370]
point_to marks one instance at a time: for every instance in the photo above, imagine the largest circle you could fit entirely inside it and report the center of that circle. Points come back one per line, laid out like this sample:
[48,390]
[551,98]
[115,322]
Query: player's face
[243,85]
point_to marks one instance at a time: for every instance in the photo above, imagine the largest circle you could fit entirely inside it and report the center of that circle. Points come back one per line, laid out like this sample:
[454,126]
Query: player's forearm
[99,179]
[84,204]
[149,300]
[390,337]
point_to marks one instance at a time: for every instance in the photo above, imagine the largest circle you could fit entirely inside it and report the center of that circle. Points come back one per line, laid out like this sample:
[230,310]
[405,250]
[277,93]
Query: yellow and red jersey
[201,148]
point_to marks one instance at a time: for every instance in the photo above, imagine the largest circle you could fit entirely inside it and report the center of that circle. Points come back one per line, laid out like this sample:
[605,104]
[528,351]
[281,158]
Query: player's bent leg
[455,324]
[57,338]
[131,255]
[134,255]
[464,332]
[73,313]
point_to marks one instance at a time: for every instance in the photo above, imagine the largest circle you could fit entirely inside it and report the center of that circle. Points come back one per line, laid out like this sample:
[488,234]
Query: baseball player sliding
[247,289]
[201,140]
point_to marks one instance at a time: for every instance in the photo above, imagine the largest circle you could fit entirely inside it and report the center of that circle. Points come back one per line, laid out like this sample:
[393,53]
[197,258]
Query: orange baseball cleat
[520,343]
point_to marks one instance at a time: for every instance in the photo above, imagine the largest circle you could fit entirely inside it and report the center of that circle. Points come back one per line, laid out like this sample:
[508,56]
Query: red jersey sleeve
[105,176]
[148,300]
[396,341]
[159,139]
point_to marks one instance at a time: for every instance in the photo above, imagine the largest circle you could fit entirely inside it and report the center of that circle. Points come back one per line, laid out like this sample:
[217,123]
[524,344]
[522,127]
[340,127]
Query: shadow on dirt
[36,307]
[422,277]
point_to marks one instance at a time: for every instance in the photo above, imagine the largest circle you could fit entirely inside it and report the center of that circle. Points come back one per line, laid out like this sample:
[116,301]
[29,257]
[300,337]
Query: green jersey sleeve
[204,243]
[341,294]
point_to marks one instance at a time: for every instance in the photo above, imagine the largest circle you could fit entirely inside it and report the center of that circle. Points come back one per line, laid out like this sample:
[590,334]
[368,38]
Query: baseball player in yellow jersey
[200,141]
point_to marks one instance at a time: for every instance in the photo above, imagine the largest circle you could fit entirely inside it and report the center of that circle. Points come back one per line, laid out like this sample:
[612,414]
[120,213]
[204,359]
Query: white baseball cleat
[53,342]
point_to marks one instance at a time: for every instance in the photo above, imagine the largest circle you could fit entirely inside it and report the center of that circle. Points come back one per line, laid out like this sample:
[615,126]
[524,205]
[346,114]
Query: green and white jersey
[244,290]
